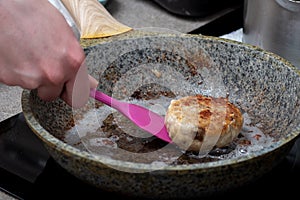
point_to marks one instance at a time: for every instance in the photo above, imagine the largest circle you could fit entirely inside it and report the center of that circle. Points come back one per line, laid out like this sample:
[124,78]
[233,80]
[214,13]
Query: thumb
[93,82]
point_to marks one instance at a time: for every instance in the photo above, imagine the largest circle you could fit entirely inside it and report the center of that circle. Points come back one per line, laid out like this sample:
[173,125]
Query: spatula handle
[93,20]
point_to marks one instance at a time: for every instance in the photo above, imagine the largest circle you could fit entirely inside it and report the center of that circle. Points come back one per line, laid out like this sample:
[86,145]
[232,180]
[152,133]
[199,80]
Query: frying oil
[104,131]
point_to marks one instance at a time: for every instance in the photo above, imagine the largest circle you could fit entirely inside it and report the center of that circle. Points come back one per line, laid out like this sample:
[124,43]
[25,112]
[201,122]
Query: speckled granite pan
[94,145]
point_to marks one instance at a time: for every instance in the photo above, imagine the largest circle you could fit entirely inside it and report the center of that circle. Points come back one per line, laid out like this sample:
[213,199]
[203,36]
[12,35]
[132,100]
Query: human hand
[38,50]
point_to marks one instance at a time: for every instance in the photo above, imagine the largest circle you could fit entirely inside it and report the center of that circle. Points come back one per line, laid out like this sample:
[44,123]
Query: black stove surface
[28,172]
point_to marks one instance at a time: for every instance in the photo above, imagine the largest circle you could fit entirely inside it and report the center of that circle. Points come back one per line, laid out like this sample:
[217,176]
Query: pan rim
[55,143]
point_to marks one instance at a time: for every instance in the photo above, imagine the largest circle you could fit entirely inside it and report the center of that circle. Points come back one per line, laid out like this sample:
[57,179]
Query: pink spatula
[142,117]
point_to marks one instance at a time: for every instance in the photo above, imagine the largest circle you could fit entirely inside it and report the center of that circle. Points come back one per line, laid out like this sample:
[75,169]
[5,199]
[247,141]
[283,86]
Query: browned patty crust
[198,123]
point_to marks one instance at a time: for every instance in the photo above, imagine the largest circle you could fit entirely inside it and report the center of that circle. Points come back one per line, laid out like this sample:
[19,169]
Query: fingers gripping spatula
[94,21]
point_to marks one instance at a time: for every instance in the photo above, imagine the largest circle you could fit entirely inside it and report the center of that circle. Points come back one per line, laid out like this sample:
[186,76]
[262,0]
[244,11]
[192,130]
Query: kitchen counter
[10,103]
[134,13]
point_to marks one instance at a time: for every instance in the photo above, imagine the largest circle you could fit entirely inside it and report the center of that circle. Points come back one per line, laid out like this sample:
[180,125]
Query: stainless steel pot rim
[292,5]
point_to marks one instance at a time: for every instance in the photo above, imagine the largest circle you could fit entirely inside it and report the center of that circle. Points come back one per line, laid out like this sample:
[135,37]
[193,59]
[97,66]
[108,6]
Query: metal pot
[274,25]
[196,8]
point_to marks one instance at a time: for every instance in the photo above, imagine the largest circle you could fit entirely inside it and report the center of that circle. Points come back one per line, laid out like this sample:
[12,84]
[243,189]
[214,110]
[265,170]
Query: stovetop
[28,172]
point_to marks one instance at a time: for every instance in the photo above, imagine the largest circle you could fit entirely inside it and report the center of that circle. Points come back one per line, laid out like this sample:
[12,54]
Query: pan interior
[153,70]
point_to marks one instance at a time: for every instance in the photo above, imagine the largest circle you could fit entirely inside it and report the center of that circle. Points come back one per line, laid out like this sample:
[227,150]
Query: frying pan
[101,148]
